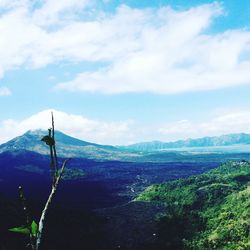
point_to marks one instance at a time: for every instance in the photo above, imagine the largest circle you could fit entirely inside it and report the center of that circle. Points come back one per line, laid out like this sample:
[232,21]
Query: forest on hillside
[208,211]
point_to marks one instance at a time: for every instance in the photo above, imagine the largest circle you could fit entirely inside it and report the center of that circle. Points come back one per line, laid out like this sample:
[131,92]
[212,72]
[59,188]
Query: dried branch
[52,161]
[36,232]
[54,145]
[50,140]
[43,216]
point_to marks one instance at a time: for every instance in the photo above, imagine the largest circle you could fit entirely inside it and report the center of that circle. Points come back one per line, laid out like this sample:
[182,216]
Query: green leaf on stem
[21,230]
[34,228]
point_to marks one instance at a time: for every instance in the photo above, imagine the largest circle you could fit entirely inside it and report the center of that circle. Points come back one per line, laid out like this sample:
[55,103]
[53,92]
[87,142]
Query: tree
[31,228]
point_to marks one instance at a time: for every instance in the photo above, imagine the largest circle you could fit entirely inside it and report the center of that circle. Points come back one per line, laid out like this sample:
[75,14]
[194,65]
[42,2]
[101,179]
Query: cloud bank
[75,125]
[230,122]
[159,50]
[127,132]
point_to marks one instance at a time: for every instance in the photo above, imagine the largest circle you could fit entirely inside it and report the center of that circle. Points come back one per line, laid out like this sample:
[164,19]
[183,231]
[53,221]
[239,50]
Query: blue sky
[119,72]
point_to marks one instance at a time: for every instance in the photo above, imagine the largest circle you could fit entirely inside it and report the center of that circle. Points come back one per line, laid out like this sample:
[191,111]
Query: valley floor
[107,207]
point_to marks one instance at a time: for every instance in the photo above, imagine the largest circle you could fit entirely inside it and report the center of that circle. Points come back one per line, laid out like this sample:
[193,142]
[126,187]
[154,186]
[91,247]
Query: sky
[121,72]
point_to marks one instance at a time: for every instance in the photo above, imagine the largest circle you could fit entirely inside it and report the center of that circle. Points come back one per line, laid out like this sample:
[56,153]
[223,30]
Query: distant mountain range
[68,146]
[223,140]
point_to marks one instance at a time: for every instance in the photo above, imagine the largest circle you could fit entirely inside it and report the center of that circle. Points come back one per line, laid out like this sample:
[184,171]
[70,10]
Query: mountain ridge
[213,141]
[68,146]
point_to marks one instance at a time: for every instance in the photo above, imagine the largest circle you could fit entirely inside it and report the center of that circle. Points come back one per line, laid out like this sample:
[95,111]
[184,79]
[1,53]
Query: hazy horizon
[120,145]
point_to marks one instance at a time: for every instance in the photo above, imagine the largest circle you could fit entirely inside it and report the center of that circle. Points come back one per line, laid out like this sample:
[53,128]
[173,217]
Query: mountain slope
[224,140]
[210,211]
[67,146]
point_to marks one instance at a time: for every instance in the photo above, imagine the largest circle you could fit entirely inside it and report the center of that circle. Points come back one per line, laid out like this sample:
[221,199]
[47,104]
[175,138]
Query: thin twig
[43,216]
[23,200]
[54,145]
[56,160]
[28,221]
[52,162]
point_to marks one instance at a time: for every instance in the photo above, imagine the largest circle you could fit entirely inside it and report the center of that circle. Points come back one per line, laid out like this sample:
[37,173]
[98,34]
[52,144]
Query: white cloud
[27,43]
[127,132]
[230,122]
[173,56]
[51,10]
[4,91]
[7,4]
[75,125]
[157,50]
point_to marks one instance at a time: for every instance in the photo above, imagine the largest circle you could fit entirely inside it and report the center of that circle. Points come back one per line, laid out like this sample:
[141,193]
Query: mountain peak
[67,146]
[34,131]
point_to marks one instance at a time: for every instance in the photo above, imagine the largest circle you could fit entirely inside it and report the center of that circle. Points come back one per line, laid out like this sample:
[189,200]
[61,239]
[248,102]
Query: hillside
[223,140]
[67,146]
[209,211]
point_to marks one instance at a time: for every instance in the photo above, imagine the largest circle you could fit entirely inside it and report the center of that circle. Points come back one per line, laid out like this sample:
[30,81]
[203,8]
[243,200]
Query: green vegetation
[32,229]
[209,211]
